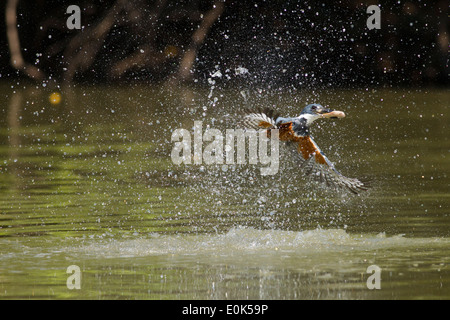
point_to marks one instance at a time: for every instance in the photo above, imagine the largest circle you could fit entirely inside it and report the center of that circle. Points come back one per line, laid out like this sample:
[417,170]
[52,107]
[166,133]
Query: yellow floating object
[55,98]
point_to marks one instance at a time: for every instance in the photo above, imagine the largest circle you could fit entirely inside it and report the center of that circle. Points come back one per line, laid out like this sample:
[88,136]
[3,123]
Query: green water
[90,182]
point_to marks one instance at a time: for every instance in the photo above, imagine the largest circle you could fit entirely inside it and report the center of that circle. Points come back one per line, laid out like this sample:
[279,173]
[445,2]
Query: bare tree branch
[144,57]
[198,37]
[12,33]
[82,49]
[147,55]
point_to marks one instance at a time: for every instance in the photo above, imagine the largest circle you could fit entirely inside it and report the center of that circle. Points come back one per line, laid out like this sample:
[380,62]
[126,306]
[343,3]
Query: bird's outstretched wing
[312,161]
[259,119]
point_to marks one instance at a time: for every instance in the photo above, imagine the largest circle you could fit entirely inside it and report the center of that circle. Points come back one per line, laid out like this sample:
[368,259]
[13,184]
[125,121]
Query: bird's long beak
[327,113]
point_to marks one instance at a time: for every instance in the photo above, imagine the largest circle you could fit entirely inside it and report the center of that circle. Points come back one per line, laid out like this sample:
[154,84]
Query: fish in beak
[332,114]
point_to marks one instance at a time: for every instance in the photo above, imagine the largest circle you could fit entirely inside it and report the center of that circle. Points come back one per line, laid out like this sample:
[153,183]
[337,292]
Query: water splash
[245,240]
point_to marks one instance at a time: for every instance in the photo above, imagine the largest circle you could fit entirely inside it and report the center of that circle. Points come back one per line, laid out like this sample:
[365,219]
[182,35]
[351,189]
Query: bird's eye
[313,108]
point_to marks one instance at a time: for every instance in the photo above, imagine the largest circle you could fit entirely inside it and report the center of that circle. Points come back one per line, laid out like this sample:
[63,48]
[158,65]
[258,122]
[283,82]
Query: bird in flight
[296,131]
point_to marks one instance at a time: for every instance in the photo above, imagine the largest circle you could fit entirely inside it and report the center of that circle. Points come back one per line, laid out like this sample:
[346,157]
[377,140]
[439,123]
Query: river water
[89,181]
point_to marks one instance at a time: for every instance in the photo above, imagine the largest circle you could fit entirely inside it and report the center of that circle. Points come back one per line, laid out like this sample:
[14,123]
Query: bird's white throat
[310,118]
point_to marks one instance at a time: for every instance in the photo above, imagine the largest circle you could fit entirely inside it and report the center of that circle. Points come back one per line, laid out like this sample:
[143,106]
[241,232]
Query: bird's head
[315,111]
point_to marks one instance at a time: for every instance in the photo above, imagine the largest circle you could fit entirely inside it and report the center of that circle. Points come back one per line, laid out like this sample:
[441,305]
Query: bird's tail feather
[327,174]
[331,177]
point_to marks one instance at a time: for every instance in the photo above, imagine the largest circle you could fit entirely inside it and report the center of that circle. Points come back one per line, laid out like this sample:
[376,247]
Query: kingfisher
[296,132]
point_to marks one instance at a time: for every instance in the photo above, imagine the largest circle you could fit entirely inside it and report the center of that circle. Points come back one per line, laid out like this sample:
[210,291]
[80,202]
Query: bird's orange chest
[286,133]
[305,145]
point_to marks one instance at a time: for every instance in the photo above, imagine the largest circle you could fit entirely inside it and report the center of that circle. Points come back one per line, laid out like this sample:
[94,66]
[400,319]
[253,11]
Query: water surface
[90,182]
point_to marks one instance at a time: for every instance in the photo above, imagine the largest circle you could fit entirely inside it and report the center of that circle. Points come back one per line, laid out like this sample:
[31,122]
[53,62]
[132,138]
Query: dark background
[282,43]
